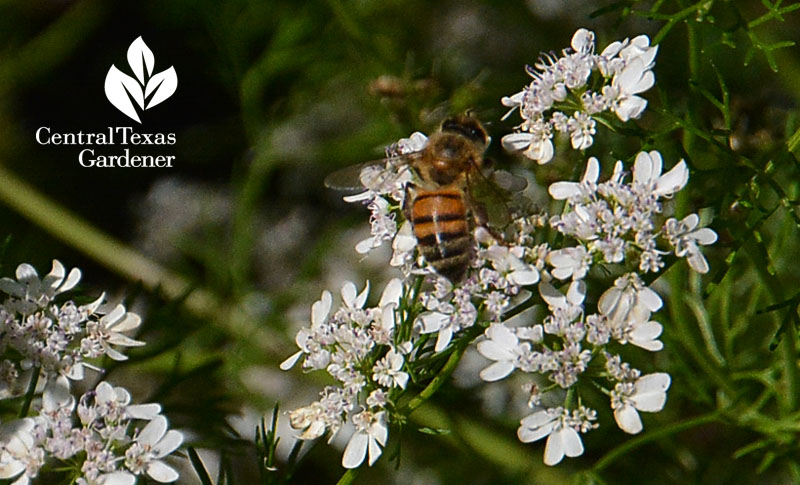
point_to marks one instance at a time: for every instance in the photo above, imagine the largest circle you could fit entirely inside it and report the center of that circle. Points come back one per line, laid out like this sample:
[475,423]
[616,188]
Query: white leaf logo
[146,89]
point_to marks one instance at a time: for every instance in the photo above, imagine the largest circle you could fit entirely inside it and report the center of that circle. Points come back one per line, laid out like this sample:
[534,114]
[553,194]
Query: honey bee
[441,203]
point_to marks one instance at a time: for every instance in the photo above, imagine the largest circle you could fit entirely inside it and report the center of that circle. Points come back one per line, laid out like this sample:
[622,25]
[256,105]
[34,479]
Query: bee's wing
[494,191]
[349,179]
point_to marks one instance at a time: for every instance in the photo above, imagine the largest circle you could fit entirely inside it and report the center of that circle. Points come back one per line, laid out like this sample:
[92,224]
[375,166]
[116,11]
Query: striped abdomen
[439,218]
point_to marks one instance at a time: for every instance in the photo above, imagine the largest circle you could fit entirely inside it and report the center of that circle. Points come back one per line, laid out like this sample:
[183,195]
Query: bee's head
[468,127]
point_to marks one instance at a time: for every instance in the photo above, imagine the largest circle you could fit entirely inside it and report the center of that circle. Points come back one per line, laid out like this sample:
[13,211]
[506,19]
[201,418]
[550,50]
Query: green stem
[125,261]
[440,378]
[348,477]
[626,447]
[26,404]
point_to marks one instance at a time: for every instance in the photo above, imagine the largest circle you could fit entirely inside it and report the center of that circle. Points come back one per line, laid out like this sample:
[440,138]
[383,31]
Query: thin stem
[76,232]
[26,404]
[626,447]
[348,477]
[440,378]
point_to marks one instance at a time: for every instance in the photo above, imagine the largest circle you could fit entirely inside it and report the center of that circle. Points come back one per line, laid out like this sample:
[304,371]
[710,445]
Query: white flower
[371,435]
[433,321]
[577,191]
[685,239]
[152,444]
[113,478]
[647,176]
[502,346]
[635,77]
[536,143]
[319,316]
[35,292]
[648,394]
[645,335]
[570,262]
[387,370]
[582,41]
[351,298]
[562,438]
[581,128]
[382,226]
[18,452]
[108,331]
[403,246]
[628,302]
[509,264]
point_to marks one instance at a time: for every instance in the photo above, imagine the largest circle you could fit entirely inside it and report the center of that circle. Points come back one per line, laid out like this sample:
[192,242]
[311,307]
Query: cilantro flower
[648,393]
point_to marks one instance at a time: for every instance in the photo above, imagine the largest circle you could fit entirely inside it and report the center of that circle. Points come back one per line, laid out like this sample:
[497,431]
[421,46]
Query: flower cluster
[347,344]
[563,84]
[529,294]
[53,342]
[56,338]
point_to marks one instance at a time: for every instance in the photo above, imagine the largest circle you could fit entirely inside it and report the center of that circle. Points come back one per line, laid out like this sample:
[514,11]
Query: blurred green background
[224,253]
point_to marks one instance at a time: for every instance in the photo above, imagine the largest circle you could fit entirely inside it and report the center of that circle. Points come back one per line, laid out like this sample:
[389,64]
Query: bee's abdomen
[440,224]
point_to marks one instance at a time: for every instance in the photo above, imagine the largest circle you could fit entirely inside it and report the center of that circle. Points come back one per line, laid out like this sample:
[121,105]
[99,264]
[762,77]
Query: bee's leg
[410,193]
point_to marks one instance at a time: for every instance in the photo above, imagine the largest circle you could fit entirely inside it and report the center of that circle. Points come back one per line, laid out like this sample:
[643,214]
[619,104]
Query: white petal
[525,277]
[647,331]
[497,371]
[356,450]
[115,314]
[576,292]
[55,277]
[349,293]
[362,297]
[445,334]
[56,394]
[392,292]
[628,419]
[365,246]
[673,181]
[168,444]
[649,299]
[432,321]
[9,469]
[143,411]
[563,190]
[291,361]
[161,472]
[154,430]
[705,236]
[609,300]
[650,393]
[129,322]
[698,262]
[73,278]
[374,451]
[502,336]
[516,142]
[691,221]
[573,446]
[117,478]
[535,426]
[320,308]
[554,449]
[26,273]
[592,170]
[494,350]
[643,169]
